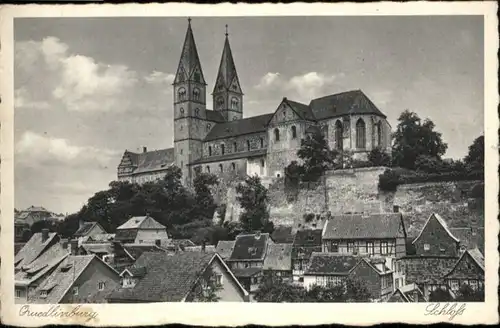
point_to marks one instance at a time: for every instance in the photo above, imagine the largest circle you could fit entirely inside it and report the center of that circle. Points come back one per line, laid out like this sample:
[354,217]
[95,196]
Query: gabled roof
[407,292]
[33,249]
[95,248]
[103,237]
[199,248]
[136,250]
[441,222]
[189,61]
[169,278]
[35,209]
[331,264]
[278,257]
[232,156]
[358,226]
[182,242]
[150,161]
[249,125]
[141,222]
[306,242]
[246,272]
[345,103]
[86,228]
[214,116]
[470,237]
[227,70]
[225,248]
[250,247]
[304,111]
[474,254]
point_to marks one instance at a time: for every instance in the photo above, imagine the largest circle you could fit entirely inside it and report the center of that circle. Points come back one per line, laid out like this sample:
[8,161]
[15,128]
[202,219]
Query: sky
[86,89]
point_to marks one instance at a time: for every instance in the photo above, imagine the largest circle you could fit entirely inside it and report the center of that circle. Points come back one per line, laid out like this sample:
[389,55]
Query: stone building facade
[224,142]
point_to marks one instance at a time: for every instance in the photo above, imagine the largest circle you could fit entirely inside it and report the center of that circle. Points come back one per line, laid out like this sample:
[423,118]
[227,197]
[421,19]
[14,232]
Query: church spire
[227,78]
[189,65]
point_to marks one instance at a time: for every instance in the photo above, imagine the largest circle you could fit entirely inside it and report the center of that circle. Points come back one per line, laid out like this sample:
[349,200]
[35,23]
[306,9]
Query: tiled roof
[227,69]
[306,242]
[103,237]
[249,247]
[214,116]
[35,209]
[282,235]
[33,248]
[85,228]
[225,248]
[168,278]
[95,248]
[249,125]
[136,250]
[189,61]
[151,161]
[302,110]
[345,103]
[477,256]
[432,272]
[126,234]
[278,257]
[330,263]
[246,272]
[357,226]
[407,292]
[139,222]
[232,156]
[441,221]
[182,242]
[470,237]
[198,248]
[18,247]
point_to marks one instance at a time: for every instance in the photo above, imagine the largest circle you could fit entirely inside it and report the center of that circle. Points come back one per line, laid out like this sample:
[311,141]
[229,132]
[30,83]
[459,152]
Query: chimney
[158,242]
[144,149]
[64,243]
[45,235]
[74,246]
[395,208]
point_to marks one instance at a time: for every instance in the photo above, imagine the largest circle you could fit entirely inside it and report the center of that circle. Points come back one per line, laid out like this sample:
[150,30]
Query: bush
[389,180]
[358,164]
[425,163]
[477,191]
[308,217]
[377,157]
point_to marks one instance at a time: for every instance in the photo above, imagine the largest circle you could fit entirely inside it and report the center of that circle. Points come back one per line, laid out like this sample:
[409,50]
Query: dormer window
[252,250]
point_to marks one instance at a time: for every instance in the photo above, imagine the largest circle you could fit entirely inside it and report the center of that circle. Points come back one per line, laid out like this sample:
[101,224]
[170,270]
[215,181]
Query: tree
[207,287]
[204,200]
[38,226]
[440,295]
[413,138]
[316,155]
[429,164]
[253,198]
[474,160]
[378,157]
[467,294]
[389,180]
[277,291]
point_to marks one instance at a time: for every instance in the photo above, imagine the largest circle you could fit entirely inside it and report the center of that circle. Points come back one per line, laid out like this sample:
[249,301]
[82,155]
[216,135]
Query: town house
[436,239]
[88,229]
[306,242]
[407,294]
[468,270]
[141,230]
[278,261]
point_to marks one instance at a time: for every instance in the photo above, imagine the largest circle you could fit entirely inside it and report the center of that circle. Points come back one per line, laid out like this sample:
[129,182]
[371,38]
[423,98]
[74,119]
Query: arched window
[220,102]
[248,145]
[379,133]
[222,149]
[261,143]
[234,147]
[181,111]
[197,113]
[208,127]
[262,163]
[294,132]
[276,134]
[339,132]
[181,94]
[360,134]
[208,169]
[234,103]
[209,150]
[221,168]
[234,166]
[196,94]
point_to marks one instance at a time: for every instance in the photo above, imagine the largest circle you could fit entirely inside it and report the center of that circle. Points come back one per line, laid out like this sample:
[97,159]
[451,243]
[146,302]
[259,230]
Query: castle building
[224,142]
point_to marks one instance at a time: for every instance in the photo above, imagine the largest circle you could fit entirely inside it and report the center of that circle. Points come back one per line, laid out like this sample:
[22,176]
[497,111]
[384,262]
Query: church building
[224,142]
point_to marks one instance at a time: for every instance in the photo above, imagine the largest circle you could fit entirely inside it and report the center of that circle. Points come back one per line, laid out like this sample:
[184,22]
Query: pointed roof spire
[227,70]
[189,61]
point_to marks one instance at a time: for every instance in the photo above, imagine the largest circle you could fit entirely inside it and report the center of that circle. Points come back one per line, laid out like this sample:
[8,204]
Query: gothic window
[182,112]
[339,135]
[181,94]
[182,164]
[379,133]
[220,102]
[197,112]
[233,166]
[208,127]
[234,103]
[360,134]
[196,94]
[221,168]
[284,113]
[209,150]
[276,134]
[197,76]
[234,147]
[248,145]
[294,132]
[208,169]
[261,143]
[222,149]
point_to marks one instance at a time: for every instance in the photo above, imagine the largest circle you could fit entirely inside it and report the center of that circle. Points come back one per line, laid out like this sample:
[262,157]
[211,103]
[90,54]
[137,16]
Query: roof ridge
[336,94]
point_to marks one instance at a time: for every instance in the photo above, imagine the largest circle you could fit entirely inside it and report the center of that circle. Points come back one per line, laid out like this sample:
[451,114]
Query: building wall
[229,172]
[245,264]
[257,166]
[242,142]
[230,291]
[371,279]
[322,280]
[439,241]
[360,245]
[466,270]
[149,236]
[87,283]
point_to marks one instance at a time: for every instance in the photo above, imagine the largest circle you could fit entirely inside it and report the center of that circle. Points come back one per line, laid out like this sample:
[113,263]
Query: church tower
[189,107]
[227,94]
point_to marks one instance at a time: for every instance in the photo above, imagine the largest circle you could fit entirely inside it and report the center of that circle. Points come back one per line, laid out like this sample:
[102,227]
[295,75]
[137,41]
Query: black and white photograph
[257,159]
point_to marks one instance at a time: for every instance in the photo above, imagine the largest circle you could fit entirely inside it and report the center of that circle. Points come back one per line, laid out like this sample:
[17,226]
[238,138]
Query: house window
[196,94]
[218,279]
[427,247]
[75,291]
[181,94]
[233,166]
[360,134]
[384,248]
[294,132]
[18,293]
[208,169]
[234,147]
[335,247]
[454,284]
[276,134]
[182,164]
[100,285]
[248,145]
[222,149]
[339,132]
[370,248]
[350,247]
[473,284]
[221,168]
[261,143]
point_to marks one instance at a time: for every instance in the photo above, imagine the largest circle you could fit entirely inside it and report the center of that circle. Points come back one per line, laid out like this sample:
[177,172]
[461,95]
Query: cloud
[303,87]
[22,100]
[37,150]
[157,77]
